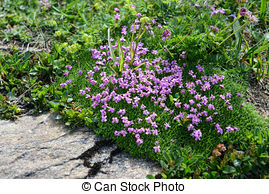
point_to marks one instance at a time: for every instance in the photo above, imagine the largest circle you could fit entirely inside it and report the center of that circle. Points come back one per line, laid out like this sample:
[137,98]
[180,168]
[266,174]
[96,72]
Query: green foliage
[64,33]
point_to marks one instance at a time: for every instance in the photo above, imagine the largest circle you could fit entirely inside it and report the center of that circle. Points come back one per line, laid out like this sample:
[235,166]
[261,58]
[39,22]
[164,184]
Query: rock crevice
[39,147]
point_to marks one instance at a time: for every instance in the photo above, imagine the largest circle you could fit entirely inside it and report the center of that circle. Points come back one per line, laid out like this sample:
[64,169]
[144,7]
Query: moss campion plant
[140,97]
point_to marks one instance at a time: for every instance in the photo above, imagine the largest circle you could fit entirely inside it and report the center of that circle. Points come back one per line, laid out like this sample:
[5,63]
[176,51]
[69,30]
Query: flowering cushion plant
[146,102]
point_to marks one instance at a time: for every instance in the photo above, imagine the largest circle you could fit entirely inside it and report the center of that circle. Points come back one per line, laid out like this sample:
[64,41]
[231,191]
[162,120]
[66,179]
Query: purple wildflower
[63,85]
[197,134]
[159,26]
[68,81]
[139,15]
[253,19]
[243,11]
[208,119]
[139,142]
[115,120]
[166,126]
[229,129]
[178,104]
[166,34]
[116,10]
[239,94]
[219,129]
[182,55]
[117,16]
[69,67]
[190,127]
[66,73]
[145,112]
[214,29]
[157,149]
[154,52]
[211,107]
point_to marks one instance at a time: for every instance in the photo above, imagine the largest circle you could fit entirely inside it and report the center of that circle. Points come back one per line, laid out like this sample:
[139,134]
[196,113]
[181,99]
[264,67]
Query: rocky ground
[39,147]
[258,94]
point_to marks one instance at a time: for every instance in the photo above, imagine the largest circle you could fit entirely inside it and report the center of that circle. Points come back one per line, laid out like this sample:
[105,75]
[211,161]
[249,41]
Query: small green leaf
[67,123]
[58,117]
[164,176]
[163,164]
[150,176]
[69,100]
[236,163]
[228,169]
[171,99]
[89,120]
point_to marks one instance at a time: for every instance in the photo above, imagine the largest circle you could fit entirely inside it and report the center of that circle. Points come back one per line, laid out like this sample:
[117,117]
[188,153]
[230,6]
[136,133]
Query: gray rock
[39,147]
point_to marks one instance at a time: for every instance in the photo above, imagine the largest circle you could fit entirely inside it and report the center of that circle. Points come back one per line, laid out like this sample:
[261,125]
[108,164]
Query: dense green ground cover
[65,34]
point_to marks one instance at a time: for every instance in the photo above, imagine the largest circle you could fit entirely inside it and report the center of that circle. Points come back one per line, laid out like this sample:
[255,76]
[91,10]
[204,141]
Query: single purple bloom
[233,16]
[122,39]
[208,119]
[211,107]
[139,142]
[186,106]
[68,67]
[191,102]
[253,19]
[190,127]
[68,81]
[66,73]
[228,95]
[82,92]
[63,85]
[116,9]
[145,112]
[117,16]
[166,126]
[115,120]
[197,134]
[239,94]
[229,129]
[243,11]
[166,34]
[116,133]
[154,52]
[219,129]
[139,15]
[214,29]
[157,149]
[182,55]
[143,107]
[178,104]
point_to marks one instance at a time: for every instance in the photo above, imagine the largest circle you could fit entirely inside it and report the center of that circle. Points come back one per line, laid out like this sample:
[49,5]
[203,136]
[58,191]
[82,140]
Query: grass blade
[110,47]
[263,9]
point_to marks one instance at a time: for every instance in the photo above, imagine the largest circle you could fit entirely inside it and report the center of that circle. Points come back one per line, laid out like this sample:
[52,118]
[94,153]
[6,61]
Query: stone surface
[39,147]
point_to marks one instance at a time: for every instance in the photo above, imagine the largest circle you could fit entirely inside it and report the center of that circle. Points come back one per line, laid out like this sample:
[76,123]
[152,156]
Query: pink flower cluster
[251,18]
[117,96]
[44,3]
